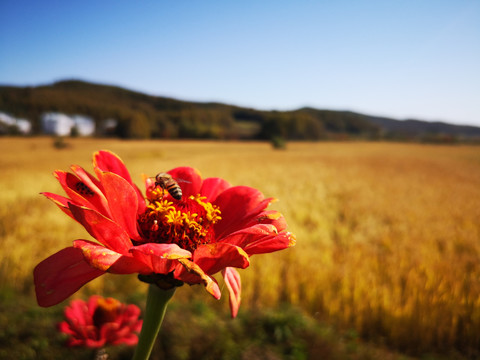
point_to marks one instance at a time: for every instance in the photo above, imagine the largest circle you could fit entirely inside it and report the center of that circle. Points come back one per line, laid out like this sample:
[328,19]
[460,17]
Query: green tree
[138,127]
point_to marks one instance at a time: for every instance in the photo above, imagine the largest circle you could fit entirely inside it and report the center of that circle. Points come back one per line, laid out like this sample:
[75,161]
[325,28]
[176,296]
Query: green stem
[157,301]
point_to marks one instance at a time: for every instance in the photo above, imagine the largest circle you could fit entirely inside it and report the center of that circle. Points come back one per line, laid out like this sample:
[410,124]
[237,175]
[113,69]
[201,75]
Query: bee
[167,182]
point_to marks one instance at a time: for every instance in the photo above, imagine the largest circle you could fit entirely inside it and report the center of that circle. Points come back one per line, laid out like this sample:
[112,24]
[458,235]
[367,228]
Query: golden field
[388,235]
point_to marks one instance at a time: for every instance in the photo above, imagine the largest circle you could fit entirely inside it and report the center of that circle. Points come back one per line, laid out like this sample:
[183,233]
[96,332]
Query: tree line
[140,116]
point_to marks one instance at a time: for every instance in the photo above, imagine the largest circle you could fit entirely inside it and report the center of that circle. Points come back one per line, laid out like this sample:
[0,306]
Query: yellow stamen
[188,223]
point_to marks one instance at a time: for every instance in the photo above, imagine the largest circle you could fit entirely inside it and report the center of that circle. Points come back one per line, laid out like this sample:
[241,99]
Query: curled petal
[261,239]
[92,184]
[107,232]
[267,245]
[87,178]
[160,257]
[60,275]
[61,201]
[234,286]
[270,217]
[80,193]
[214,257]
[123,202]
[107,161]
[198,275]
[105,259]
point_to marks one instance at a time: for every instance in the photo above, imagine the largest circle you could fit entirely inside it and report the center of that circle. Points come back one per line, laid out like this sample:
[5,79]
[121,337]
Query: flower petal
[65,328]
[93,343]
[92,183]
[123,202]
[234,286]
[281,241]
[103,229]
[87,178]
[159,257]
[131,316]
[211,187]
[105,259]
[61,201]
[129,339]
[189,179]
[107,161]
[149,185]
[78,313]
[270,217]
[217,256]
[191,273]
[92,305]
[239,204]
[60,275]
[260,239]
[80,193]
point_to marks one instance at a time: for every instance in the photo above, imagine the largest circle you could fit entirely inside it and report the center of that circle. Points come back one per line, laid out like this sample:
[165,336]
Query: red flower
[99,322]
[214,227]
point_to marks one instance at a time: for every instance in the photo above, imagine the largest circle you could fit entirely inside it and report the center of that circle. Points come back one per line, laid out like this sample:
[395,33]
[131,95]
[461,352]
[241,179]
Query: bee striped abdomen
[175,191]
[166,182]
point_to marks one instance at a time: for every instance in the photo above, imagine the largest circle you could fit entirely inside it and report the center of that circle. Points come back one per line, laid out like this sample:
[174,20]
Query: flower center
[187,223]
[106,311]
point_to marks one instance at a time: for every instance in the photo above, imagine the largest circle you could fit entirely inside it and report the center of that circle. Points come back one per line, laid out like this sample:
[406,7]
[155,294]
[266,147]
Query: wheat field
[388,235]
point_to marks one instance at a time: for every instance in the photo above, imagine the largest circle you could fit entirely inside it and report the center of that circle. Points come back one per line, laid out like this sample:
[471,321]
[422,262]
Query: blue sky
[401,59]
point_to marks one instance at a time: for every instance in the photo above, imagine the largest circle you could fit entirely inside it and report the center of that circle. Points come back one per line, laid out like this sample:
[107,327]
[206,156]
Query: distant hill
[412,127]
[137,115]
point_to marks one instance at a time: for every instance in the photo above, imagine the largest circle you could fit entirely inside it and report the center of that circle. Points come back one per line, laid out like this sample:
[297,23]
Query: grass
[388,238]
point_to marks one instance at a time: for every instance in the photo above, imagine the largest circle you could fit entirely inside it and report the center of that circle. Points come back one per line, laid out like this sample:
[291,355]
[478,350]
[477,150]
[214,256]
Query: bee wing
[178,180]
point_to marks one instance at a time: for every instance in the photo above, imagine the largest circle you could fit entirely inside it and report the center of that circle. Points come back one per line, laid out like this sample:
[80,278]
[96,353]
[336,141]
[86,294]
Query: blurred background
[361,117]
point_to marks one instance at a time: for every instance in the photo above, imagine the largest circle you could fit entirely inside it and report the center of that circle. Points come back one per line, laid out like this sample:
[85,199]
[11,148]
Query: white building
[23,125]
[84,124]
[61,124]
